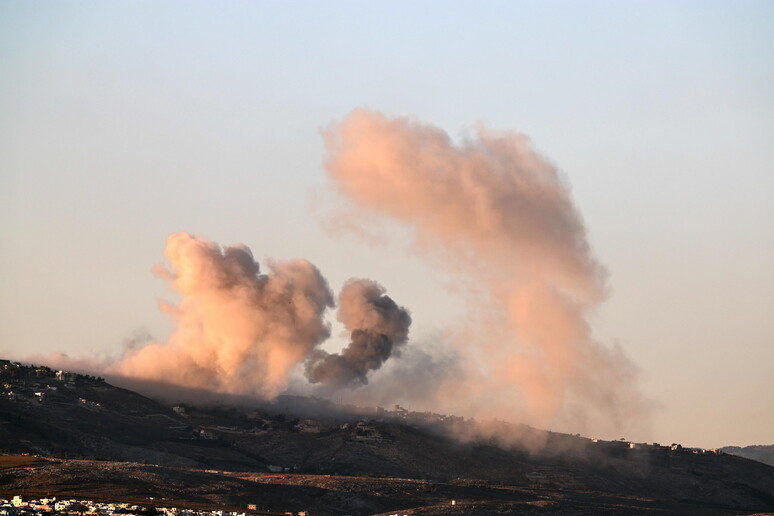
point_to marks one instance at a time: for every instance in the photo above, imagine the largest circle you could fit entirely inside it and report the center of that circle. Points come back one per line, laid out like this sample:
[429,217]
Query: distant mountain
[761,453]
[294,441]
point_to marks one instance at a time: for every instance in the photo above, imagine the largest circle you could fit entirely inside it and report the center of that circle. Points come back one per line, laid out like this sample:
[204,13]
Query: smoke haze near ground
[500,218]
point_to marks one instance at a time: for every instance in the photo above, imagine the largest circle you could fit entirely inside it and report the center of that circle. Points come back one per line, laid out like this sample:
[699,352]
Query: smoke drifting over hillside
[237,330]
[493,212]
[500,218]
[241,332]
[377,326]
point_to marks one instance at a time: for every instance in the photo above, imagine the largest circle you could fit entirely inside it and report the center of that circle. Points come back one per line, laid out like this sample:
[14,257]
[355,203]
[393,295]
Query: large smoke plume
[492,211]
[241,332]
[237,330]
[377,326]
[500,217]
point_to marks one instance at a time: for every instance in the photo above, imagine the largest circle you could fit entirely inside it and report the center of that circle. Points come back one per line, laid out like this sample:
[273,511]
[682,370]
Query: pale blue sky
[123,122]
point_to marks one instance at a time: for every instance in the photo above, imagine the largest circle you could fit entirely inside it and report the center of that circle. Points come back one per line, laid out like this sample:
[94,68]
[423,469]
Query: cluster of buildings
[674,447]
[398,413]
[696,451]
[18,506]
[34,384]
[366,431]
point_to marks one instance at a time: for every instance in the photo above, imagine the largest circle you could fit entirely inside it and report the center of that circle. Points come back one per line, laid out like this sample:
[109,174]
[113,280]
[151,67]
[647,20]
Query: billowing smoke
[501,219]
[491,210]
[378,327]
[242,332]
[238,331]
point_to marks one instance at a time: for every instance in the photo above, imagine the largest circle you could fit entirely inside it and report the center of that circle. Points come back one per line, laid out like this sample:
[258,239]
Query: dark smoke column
[378,327]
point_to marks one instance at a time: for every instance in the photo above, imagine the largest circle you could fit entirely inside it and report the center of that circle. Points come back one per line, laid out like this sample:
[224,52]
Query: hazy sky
[124,122]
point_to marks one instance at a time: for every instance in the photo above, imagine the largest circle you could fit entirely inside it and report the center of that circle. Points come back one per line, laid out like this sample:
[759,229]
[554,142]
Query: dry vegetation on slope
[334,463]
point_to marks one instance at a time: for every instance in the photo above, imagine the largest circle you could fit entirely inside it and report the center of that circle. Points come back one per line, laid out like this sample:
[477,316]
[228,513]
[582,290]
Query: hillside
[761,453]
[93,435]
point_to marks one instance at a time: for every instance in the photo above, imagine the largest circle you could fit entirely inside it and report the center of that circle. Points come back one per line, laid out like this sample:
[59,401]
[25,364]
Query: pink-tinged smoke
[501,219]
[238,331]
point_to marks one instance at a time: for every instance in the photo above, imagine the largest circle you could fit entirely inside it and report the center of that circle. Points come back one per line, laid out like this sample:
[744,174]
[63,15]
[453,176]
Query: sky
[124,122]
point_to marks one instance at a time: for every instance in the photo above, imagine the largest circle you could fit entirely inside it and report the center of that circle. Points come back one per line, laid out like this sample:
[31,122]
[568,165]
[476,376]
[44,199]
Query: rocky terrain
[88,438]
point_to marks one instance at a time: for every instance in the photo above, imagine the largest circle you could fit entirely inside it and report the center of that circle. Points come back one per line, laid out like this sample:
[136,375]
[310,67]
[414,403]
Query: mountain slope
[79,416]
[761,453]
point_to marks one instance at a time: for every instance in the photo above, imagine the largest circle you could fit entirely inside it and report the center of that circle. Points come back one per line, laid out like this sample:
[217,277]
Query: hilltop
[94,438]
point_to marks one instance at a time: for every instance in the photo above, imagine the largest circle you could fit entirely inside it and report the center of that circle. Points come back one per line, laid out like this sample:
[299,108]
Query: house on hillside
[42,372]
[366,432]
[67,377]
[397,409]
